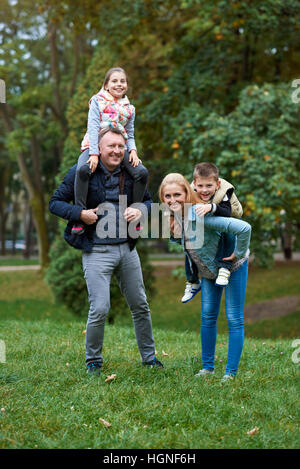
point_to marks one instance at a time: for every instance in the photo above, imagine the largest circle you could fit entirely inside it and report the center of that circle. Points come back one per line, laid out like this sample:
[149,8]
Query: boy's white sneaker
[191,290]
[223,277]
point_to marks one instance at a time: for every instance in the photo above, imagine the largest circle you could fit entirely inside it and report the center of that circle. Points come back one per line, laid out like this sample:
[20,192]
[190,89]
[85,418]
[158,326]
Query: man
[105,252]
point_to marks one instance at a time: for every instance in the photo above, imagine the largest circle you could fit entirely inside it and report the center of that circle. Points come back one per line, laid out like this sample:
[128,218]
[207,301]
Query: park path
[7,268]
[158,263]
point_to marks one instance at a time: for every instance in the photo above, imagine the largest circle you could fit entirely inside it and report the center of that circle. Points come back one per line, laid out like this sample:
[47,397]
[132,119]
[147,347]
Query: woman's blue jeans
[234,308]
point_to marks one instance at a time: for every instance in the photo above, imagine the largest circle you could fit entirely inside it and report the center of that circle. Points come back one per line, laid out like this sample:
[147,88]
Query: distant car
[19,245]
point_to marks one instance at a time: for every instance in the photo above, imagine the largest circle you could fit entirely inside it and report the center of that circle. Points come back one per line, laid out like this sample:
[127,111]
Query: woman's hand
[93,161]
[203,209]
[134,159]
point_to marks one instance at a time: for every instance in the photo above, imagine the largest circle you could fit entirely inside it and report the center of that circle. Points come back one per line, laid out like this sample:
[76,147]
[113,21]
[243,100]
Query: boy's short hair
[206,170]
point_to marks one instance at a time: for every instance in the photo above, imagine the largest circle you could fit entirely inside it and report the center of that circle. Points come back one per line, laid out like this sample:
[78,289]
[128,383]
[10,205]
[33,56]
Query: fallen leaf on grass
[253,431]
[164,354]
[105,423]
[110,378]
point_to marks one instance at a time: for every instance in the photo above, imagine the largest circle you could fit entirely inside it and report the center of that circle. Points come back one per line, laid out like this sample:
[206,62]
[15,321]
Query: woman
[175,192]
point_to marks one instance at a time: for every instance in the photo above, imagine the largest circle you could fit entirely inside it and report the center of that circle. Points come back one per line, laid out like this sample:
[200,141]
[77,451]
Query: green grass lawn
[16,260]
[283,280]
[48,401]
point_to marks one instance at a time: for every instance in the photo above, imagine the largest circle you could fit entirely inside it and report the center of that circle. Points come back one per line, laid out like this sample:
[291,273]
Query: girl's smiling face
[117,85]
[174,196]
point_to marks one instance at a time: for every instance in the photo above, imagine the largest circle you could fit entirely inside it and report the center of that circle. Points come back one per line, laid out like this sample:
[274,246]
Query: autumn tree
[40,72]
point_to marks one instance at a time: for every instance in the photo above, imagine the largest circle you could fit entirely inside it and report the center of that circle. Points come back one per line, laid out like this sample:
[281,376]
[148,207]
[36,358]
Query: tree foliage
[199,77]
[256,147]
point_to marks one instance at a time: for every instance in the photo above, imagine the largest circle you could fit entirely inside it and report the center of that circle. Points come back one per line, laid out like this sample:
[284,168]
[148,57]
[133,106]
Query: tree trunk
[28,227]
[38,212]
[3,211]
[33,186]
[15,225]
[287,241]
[3,231]
[76,53]
[54,65]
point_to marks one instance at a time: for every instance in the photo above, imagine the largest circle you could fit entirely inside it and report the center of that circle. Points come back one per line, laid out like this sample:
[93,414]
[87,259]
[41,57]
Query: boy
[218,198]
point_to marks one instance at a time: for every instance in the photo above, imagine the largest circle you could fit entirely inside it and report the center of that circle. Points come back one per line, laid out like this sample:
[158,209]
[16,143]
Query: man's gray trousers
[98,267]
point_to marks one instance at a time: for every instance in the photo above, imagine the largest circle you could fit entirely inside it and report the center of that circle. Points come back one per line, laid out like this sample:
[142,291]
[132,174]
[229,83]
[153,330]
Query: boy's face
[206,187]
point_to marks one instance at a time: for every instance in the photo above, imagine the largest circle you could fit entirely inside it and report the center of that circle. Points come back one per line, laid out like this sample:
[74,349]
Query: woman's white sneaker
[226,378]
[204,373]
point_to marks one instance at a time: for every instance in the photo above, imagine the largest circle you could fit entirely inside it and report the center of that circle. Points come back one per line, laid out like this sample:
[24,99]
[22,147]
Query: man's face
[112,148]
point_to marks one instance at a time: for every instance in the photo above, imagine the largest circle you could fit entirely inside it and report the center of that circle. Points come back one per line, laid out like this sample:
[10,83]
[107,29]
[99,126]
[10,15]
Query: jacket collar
[108,97]
[104,170]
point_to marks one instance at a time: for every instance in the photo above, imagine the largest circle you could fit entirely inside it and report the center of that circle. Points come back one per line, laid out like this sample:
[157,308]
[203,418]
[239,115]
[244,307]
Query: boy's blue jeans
[225,249]
[234,308]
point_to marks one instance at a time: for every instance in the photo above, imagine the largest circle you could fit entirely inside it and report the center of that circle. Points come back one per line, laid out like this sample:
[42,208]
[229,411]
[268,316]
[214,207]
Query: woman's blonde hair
[177,178]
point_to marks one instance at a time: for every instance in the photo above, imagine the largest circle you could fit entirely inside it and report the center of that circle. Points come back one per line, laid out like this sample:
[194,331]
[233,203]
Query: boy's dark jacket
[60,204]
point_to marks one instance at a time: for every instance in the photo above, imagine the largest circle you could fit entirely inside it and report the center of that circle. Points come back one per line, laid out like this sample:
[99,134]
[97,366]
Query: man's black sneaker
[93,368]
[154,363]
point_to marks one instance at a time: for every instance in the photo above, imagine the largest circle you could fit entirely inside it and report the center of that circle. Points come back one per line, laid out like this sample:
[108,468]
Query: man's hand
[203,209]
[89,216]
[133,158]
[93,161]
[132,214]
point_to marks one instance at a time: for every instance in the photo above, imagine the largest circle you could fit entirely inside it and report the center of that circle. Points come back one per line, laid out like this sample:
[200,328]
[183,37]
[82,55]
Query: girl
[109,107]
[175,191]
